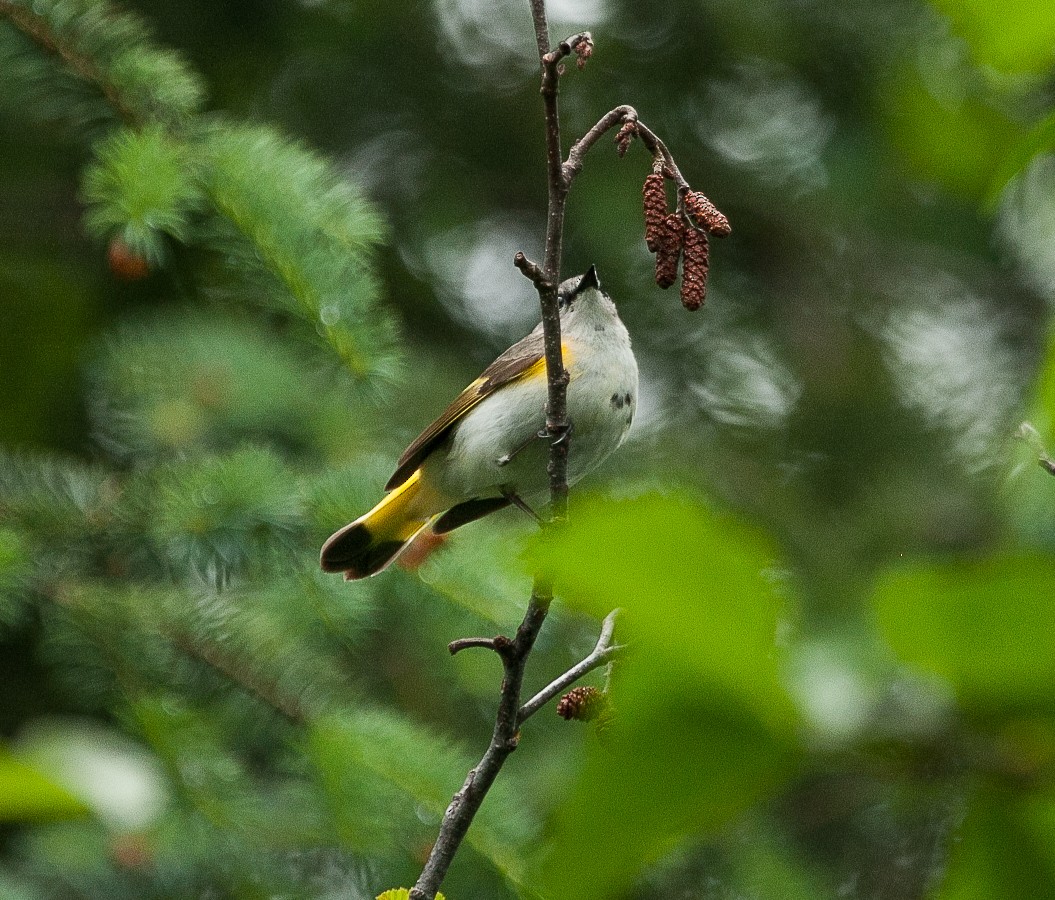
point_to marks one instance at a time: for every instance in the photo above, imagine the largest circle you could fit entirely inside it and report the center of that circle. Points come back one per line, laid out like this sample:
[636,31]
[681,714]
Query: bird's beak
[589,280]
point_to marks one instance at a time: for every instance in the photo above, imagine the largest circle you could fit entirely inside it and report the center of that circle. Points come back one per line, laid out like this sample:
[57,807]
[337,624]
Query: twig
[546,278]
[601,654]
[498,644]
[504,739]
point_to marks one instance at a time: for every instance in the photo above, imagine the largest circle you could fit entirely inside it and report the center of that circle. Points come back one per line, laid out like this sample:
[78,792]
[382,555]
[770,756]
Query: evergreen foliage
[173,582]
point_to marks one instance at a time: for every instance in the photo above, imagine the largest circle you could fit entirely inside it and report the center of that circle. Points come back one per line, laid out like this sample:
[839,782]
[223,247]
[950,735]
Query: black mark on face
[629,398]
[617,401]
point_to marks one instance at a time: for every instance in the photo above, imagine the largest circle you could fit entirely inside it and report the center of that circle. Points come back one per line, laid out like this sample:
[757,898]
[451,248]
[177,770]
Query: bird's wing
[524,359]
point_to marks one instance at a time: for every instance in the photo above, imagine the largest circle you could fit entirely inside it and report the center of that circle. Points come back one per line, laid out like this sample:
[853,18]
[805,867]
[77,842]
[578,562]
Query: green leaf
[401,894]
[702,726]
[983,625]
[1018,40]
[27,795]
[305,233]
[1040,140]
[957,142]
[998,854]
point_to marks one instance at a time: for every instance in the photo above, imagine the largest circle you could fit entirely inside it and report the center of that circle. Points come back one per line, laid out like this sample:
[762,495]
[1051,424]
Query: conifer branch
[265,691]
[36,29]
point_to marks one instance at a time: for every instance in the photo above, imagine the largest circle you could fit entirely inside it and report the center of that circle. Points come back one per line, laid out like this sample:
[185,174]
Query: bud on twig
[669,250]
[582,703]
[694,269]
[655,197]
[706,215]
[583,50]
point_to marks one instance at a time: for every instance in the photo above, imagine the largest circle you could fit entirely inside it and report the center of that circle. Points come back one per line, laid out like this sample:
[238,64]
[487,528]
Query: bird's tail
[370,543]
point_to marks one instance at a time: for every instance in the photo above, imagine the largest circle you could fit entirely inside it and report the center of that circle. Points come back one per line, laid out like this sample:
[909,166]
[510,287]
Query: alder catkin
[582,703]
[694,269]
[669,250]
[655,197]
[624,136]
[706,214]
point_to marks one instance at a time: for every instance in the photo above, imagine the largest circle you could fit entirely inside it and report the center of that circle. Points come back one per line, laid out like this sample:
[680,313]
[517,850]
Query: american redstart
[485,451]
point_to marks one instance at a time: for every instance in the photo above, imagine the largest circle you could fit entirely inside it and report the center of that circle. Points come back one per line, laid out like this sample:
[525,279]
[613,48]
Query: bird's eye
[562,301]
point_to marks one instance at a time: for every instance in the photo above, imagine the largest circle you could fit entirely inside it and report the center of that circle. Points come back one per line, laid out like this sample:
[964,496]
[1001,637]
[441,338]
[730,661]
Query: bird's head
[580,291]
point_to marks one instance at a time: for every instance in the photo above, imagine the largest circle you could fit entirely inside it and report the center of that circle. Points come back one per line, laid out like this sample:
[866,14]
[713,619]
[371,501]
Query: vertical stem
[505,737]
[557,194]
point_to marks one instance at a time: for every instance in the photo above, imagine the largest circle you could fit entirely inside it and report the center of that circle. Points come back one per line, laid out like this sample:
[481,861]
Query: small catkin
[655,196]
[624,136]
[706,214]
[694,269]
[669,250]
[582,703]
[583,51]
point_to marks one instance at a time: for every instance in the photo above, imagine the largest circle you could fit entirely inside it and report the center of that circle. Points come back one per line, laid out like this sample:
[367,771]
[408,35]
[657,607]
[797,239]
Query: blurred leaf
[957,141]
[299,237]
[1040,140]
[222,511]
[27,795]
[984,625]
[702,727]
[998,855]
[401,894]
[1016,37]
[118,779]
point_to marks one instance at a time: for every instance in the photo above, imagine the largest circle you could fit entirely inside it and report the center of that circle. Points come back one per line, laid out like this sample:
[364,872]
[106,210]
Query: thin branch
[619,116]
[546,279]
[601,654]
[531,270]
[482,642]
[504,739]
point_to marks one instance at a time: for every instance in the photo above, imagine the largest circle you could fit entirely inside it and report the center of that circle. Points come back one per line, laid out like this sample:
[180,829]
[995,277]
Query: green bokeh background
[828,542]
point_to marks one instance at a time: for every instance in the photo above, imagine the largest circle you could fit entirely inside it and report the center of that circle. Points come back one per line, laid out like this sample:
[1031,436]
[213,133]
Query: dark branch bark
[465,804]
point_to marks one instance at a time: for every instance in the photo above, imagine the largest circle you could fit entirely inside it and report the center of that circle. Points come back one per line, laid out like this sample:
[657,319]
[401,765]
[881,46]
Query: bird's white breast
[496,444]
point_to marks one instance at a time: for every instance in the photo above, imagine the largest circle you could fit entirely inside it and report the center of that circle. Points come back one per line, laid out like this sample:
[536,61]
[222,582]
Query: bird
[486,452]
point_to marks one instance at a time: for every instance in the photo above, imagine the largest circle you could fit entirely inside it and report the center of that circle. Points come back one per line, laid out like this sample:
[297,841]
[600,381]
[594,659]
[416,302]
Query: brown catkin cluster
[694,269]
[706,214]
[655,196]
[582,703]
[669,250]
